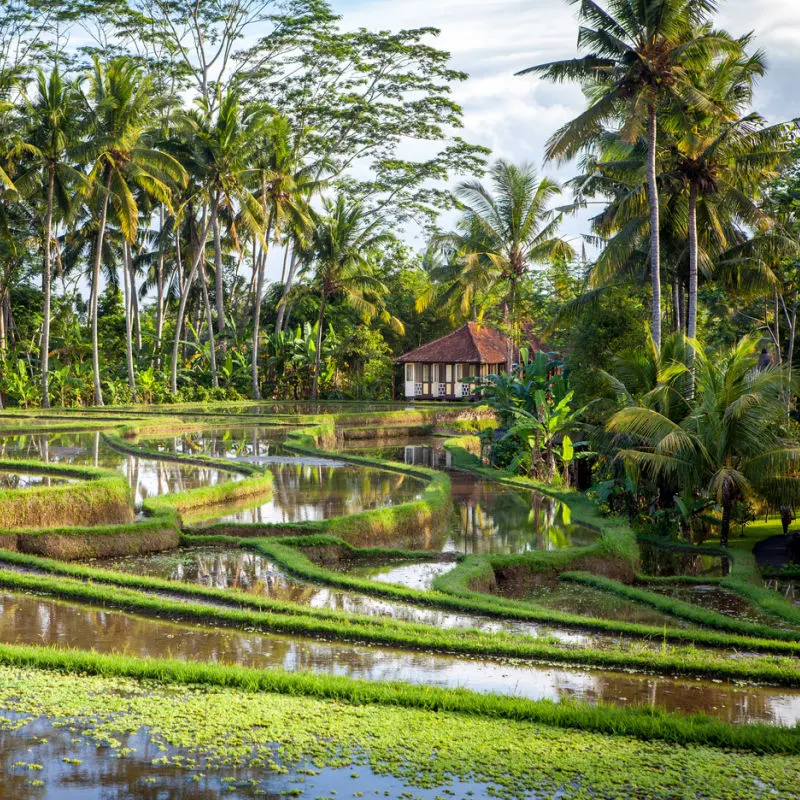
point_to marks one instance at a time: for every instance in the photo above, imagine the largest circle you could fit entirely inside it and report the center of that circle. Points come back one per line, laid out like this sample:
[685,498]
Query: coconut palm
[722,158]
[728,446]
[49,136]
[640,54]
[510,228]
[342,246]
[121,107]
[284,188]
[221,148]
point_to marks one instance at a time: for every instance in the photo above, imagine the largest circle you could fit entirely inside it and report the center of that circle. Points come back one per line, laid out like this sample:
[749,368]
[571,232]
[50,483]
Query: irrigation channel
[486,518]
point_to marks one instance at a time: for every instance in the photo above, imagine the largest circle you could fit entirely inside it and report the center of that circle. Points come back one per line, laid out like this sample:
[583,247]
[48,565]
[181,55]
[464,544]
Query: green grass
[99,496]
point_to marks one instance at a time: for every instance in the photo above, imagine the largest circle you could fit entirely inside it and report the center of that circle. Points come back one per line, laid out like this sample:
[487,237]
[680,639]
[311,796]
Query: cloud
[514,116]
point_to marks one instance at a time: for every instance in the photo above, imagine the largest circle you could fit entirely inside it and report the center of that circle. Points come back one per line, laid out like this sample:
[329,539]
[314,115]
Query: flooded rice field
[717,598]
[668,562]
[40,759]
[240,570]
[148,477]
[30,620]
[303,491]
[587,601]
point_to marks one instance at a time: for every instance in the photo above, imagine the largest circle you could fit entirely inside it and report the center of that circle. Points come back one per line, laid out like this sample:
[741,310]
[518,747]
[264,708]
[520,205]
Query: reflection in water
[147,476]
[414,574]
[664,561]
[303,491]
[790,589]
[29,620]
[26,480]
[249,572]
[491,518]
[249,441]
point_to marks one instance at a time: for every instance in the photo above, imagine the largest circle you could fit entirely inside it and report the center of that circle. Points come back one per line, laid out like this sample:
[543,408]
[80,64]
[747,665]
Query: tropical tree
[722,158]
[729,444]
[640,56]
[221,139]
[285,186]
[50,134]
[121,107]
[510,229]
[342,247]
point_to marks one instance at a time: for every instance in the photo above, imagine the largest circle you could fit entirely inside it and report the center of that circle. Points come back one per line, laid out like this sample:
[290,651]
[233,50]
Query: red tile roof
[470,344]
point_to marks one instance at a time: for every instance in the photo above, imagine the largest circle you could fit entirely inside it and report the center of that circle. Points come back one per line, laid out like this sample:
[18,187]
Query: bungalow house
[440,368]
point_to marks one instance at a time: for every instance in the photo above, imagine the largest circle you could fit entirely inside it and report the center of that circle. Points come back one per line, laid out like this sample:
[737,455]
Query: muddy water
[719,599]
[254,574]
[30,620]
[589,602]
[662,561]
[147,476]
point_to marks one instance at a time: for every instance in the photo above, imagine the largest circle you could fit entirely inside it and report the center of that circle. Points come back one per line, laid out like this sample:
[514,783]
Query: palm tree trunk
[137,324]
[261,266]
[318,354]
[509,344]
[98,256]
[778,348]
[727,507]
[790,351]
[46,279]
[655,240]
[676,305]
[126,260]
[212,354]
[219,288]
[691,321]
[259,287]
[182,309]
[160,289]
[284,298]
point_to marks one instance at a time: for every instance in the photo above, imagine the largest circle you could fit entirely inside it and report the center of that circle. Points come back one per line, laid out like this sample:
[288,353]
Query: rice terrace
[399,401]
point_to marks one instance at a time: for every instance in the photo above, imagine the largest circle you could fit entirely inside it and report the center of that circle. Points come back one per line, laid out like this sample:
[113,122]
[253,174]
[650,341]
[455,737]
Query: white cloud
[493,39]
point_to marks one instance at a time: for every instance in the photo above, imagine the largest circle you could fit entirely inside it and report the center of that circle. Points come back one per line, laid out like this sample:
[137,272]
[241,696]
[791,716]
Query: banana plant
[547,434]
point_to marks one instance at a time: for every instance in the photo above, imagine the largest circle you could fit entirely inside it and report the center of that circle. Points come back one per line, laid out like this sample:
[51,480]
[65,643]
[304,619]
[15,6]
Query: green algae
[278,732]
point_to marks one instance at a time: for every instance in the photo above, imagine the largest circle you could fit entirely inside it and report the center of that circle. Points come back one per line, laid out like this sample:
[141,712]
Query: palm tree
[510,229]
[342,245]
[722,158]
[284,187]
[121,109]
[221,143]
[728,445]
[639,57]
[51,128]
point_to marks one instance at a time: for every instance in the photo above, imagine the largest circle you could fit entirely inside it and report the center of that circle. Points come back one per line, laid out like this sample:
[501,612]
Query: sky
[514,116]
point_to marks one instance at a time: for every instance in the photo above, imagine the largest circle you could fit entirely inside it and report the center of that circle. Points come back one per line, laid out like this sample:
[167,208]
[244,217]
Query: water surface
[30,620]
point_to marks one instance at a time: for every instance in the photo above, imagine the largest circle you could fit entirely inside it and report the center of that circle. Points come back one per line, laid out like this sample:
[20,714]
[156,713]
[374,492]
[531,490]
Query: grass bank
[94,497]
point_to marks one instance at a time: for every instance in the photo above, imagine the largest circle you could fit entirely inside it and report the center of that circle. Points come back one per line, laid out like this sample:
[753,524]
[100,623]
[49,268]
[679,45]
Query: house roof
[470,344]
